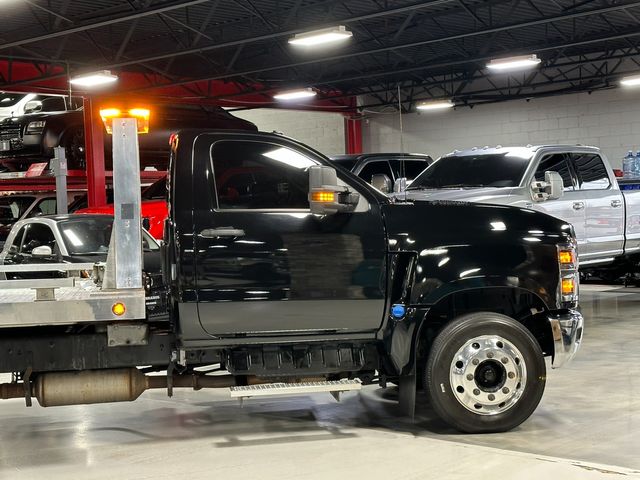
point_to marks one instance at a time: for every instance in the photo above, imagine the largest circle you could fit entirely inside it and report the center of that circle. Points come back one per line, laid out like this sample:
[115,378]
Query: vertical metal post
[59,165]
[353,135]
[126,222]
[94,155]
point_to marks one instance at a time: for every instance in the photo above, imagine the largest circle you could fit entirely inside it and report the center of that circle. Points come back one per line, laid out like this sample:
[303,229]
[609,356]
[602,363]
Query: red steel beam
[94,153]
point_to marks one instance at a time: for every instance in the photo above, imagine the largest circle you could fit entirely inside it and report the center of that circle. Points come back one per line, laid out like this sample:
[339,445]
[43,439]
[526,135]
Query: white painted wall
[608,119]
[323,131]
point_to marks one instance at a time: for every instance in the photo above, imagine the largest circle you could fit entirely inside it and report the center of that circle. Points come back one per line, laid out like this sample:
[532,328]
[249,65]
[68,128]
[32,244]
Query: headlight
[569,278]
[35,127]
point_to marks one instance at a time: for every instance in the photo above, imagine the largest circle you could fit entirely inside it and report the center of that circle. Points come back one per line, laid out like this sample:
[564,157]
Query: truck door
[571,206]
[264,263]
[604,208]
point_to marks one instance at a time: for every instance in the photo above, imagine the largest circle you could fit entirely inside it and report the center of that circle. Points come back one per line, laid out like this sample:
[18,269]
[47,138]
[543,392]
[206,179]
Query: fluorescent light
[295,94]
[632,81]
[318,37]
[94,79]
[435,105]
[514,63]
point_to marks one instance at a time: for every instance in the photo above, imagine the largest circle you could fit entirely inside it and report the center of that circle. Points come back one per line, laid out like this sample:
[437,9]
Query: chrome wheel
[488,375]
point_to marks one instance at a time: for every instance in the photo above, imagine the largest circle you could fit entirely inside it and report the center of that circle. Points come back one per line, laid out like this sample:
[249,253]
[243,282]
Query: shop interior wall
[323,131]
[607,119]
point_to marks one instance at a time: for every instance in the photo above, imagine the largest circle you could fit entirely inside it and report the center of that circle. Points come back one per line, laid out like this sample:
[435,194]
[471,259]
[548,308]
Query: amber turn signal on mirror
[323,196]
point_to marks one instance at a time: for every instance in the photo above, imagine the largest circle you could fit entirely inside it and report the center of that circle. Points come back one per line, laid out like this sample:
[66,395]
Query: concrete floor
[587,427]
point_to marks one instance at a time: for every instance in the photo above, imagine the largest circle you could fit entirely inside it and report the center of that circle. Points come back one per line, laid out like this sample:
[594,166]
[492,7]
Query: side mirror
[551,189]
[42,251]
[381,182]
[400,185]
[32,106]
[326,196]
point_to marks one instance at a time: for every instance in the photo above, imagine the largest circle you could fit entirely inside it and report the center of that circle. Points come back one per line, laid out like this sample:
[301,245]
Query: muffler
[104,386]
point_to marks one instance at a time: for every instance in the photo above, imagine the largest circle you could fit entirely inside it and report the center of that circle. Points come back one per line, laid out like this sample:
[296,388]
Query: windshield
[156,191]
[12,208]
[91,235]
[490,170]
[10,99]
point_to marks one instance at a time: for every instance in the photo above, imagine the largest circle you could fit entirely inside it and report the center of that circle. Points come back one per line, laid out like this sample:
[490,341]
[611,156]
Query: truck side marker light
[568,286]
[118,309]
[325,197]
[398,311]
[566,257]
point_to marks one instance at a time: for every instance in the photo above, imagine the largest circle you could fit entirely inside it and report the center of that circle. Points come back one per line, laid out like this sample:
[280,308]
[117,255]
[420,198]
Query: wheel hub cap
[488,375]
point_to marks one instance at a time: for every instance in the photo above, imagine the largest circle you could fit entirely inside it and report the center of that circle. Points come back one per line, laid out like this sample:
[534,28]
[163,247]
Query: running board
[334,387]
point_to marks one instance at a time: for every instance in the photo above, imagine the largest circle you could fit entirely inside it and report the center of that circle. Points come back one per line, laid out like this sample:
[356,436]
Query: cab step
[335,387]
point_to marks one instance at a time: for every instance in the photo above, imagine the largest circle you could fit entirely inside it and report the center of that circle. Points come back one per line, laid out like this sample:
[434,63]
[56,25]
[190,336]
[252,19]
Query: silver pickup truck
[574,183]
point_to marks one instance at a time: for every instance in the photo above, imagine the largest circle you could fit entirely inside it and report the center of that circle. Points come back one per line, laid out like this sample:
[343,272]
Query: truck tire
[485,373]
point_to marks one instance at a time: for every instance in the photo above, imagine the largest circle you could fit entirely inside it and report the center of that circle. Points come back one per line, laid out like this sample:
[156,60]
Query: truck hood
[476,245]
[473,194]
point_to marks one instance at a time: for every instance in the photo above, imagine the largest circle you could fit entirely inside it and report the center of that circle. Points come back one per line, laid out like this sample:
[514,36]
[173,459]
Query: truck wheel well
[521,305]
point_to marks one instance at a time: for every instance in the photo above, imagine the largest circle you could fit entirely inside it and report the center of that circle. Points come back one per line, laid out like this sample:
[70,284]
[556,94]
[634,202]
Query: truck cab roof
[522,151]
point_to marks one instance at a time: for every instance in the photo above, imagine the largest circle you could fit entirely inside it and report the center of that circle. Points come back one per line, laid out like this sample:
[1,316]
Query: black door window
[556,163]
[591,171]
[257,175]
[409,169]
[375,167]
[37,235]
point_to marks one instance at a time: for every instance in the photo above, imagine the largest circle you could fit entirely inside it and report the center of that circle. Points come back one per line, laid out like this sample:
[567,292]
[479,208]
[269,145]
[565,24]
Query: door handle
[222,232]
[578,205]
[616,203]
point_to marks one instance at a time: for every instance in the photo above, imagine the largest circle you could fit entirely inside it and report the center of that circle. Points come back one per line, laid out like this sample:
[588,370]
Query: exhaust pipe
[104,386]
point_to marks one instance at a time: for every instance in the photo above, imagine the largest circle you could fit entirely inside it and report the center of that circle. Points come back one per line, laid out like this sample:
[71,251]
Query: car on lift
[13,104]
[56,122]
[383,170]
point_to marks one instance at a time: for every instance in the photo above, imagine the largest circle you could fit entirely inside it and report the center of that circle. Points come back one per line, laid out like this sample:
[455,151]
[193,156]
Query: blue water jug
[628,165]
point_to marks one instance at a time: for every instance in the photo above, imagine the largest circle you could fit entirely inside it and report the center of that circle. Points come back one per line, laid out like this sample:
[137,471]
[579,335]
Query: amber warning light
[140,114]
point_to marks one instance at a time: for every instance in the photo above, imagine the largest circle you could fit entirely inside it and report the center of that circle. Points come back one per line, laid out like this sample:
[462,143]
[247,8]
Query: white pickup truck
[574,183]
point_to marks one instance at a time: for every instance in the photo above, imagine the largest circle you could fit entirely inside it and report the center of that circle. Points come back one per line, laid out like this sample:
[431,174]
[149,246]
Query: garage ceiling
[227,49]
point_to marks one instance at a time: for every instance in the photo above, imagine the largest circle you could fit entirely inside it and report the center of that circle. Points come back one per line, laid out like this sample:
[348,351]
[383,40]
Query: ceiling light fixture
[632,81]
[514,63]
[435,105]
[297,94]
[318,37]
[94,79]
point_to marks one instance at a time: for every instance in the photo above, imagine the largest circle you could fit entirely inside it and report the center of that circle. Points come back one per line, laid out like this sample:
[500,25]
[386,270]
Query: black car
[392,165]
[30,138]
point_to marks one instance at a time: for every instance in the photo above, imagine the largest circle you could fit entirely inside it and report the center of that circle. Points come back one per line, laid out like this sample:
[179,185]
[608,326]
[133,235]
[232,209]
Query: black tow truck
[294,276]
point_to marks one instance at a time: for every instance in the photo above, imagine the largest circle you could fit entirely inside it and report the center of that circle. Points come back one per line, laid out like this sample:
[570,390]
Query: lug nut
[505,360]
[492,397]
[469,377]
[489,354]
[476,391]
[475,361]
[511,375]
[505,390]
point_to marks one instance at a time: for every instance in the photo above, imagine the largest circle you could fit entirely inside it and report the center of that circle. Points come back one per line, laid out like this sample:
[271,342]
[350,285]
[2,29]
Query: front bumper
[567,330]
